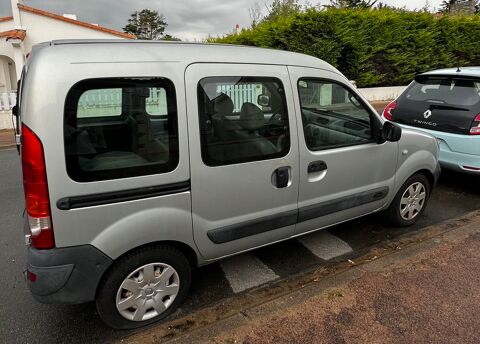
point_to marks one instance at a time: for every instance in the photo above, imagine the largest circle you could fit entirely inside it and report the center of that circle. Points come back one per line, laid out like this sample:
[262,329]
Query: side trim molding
[74,202]
[252,227]
[268,223]
[343,203]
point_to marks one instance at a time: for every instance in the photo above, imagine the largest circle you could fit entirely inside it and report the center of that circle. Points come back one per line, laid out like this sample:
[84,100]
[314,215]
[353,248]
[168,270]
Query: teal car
[446,104]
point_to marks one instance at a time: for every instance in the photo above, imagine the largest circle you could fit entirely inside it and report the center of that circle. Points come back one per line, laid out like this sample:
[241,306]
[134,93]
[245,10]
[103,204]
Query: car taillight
[35,186]
[475,129]
[387,113]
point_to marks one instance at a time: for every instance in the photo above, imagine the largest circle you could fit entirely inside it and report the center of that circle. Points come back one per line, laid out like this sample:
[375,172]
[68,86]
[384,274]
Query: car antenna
[458,70]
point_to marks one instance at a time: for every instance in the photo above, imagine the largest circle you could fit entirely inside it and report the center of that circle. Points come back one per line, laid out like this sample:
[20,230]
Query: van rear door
[440,102]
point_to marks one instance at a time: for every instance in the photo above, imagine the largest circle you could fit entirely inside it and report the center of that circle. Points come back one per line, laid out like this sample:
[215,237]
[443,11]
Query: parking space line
[246,271]
[325,245]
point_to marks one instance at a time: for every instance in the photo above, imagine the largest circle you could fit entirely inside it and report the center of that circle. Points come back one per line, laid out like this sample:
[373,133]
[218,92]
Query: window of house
[120,127]
[332,115]
[242,119]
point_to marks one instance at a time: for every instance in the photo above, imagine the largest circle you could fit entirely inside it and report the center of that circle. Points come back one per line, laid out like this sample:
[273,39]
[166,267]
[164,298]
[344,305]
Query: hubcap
[147,292]
[412,201]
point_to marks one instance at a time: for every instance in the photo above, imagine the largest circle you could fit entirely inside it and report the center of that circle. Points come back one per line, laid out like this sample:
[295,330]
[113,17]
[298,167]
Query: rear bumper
[65,275]
[459,161]
[456,151]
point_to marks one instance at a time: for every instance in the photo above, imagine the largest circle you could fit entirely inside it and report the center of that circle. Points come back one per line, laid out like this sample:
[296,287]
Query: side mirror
[15,110]
[263,100]
[391,132]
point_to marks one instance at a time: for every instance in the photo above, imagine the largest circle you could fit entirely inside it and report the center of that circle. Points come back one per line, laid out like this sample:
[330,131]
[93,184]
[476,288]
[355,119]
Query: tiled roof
[75,22]
[13,34]
[4,19]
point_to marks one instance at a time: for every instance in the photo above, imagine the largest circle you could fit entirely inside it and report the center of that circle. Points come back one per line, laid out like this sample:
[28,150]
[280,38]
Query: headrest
[223,105]
[251,117]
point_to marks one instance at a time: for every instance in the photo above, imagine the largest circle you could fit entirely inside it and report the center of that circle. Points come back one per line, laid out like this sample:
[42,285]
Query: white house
[28,26]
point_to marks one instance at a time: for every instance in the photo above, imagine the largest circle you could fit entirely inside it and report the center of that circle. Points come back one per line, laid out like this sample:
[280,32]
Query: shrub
[380,47]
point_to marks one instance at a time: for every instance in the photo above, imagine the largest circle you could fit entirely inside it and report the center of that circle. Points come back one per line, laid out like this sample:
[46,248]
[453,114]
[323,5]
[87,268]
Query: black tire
[118,272]
[393,212]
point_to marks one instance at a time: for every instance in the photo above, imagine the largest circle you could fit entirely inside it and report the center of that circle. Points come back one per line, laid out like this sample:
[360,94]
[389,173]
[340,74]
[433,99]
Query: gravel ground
[431,297]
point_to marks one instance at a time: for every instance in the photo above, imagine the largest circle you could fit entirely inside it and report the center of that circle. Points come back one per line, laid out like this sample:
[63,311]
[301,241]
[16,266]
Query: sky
[188,19]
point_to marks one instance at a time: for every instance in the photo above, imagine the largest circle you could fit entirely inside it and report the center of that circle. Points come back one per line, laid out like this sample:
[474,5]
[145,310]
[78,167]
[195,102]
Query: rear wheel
[143,287]
[410,201]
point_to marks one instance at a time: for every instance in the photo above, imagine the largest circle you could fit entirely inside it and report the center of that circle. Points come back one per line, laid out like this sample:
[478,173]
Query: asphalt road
[25,321]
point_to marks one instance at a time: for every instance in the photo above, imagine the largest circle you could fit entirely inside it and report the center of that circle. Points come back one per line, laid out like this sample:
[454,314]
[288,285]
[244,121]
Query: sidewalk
[426,291]
[7,138]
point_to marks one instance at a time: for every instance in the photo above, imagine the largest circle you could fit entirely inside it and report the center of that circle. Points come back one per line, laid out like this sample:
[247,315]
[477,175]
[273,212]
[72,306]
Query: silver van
[143,160]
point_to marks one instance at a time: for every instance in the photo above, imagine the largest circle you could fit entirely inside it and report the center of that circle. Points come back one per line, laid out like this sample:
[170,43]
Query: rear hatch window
[442,103]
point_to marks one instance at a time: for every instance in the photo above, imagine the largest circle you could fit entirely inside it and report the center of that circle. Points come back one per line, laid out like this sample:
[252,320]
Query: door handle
[281,177]
[317,166]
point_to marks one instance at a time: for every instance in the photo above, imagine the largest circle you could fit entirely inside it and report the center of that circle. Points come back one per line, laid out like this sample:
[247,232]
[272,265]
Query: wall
[375,94]
[5,120]
[8,80]
[372,94]
[42,29]
[6,25]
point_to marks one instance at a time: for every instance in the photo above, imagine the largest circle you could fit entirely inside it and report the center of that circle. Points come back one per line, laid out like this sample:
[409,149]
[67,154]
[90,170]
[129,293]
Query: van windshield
[442,90]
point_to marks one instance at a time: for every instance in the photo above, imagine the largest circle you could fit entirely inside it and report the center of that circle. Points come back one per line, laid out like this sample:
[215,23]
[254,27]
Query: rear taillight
[475,129]
[35,185]
[387,113]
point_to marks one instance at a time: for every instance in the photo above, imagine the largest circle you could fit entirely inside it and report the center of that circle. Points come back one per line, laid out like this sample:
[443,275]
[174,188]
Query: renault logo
[427,113]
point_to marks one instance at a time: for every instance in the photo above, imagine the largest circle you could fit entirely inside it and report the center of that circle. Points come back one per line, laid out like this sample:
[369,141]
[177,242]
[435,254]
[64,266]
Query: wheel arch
[429,175]
[185,249]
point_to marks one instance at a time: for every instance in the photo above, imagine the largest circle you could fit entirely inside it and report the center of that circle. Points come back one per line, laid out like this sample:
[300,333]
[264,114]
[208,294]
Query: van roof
[464,71]
[117,50]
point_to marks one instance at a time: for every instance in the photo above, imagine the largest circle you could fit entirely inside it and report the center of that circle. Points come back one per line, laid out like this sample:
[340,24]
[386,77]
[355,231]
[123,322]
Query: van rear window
[120,127]
[451,91]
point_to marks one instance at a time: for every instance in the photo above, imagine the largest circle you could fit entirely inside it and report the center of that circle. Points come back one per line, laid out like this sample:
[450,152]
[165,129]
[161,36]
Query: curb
[7,147]
[202,325]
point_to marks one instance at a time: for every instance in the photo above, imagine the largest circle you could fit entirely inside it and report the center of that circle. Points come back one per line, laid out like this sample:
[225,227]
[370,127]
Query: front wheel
[410,201]
[143,287]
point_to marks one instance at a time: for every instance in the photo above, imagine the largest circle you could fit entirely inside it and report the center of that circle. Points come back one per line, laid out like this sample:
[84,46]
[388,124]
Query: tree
[382,5]
[426,7]
[168,37]
[146,24]
[456,7]
[283,8]
[353,3]
[446,6]
[255,13]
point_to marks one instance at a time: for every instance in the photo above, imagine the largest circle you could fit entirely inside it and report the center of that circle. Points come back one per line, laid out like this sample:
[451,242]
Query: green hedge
[380,47]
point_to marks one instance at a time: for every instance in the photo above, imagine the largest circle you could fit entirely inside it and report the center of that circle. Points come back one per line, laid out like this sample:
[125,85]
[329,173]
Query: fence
[241,94]
[108,102]
[7,101]
[374,94]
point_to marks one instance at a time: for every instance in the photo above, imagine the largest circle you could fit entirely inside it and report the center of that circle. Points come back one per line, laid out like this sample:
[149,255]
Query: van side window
[120,127]
[332,115]
[242,119]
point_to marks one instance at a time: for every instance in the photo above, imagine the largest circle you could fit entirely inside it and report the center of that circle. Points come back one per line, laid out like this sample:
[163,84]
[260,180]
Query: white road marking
[246,271]
[325,245]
